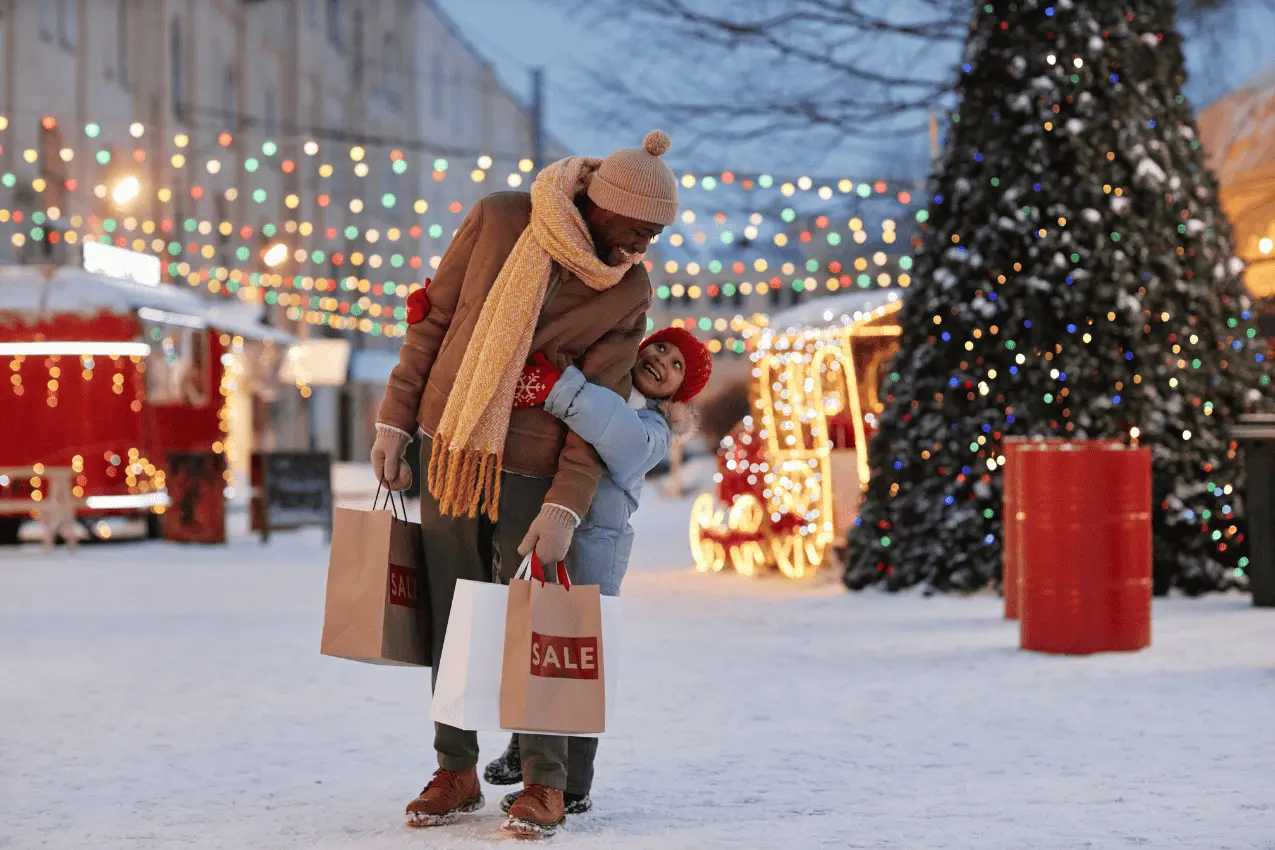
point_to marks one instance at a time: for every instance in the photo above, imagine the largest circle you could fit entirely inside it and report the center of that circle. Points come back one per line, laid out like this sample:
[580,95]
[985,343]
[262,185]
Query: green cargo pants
[464,548]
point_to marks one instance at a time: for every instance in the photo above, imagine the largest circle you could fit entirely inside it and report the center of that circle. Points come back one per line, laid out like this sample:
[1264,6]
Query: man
[558,272]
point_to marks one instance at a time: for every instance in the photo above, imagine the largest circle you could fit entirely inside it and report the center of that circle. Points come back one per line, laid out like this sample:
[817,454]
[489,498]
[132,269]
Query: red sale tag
[555,657]
[402,586]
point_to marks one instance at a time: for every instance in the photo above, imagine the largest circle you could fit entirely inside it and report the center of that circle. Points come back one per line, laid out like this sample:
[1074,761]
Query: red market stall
[105,377]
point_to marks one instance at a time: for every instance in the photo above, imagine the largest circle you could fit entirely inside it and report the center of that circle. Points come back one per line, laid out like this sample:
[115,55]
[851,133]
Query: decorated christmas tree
[1077,279]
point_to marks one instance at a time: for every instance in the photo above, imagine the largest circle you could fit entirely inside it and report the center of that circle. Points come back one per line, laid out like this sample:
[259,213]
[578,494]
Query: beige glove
[387,458]
[550,535]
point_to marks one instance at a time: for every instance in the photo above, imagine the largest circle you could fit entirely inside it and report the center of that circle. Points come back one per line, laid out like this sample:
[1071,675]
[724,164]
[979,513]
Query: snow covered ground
[154,696]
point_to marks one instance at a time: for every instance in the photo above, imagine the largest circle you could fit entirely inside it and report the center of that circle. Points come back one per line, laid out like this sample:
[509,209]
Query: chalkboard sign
[291,490]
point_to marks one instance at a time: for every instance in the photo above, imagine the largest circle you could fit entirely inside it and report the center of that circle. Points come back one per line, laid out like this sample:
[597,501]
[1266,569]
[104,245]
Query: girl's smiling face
[659,370]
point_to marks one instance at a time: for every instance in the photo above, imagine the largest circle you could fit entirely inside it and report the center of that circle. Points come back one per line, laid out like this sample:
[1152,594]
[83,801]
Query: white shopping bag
[467,691]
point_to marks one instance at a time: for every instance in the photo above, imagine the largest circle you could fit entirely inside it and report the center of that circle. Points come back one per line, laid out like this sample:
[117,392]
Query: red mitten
[418,304]
[535,382]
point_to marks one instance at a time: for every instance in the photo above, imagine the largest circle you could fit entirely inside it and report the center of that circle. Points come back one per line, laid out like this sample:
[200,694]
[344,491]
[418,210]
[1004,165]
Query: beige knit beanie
[636,182]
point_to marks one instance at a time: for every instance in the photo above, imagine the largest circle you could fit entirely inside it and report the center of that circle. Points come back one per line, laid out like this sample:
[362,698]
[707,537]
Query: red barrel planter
[1085,547]
[1012,497]
[1011,517]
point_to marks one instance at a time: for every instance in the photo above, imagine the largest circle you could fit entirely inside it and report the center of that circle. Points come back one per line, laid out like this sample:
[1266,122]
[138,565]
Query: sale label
[554,657]
[402,586]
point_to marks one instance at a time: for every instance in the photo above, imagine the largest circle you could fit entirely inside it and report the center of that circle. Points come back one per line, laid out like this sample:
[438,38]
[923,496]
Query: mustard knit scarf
[464,468]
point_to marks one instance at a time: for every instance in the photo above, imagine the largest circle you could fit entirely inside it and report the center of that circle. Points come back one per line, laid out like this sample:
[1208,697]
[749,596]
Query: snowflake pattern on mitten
[536,382]
[530,390]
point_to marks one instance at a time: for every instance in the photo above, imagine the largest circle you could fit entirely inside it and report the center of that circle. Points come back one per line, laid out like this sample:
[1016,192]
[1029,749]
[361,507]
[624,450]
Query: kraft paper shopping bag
[553,673]
[467,692]
[377,607]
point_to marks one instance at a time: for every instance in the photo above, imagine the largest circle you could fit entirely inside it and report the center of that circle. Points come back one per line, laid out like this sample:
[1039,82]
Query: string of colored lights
[357,154]
[352,231]
[207,251]
[178,268]
[339,313]
[237,238]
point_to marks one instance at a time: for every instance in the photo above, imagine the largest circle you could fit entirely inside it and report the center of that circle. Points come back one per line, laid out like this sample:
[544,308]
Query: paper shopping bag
[553,673]
[377,607]
[467,689]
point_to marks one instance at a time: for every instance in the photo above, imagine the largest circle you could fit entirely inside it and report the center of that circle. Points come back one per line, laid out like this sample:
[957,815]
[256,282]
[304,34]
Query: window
[358,50]
[177,367]
[383,84]
[68,22]
[388,84]
[333,185]
[46,20]
[229,101]
[176,70]
[121,40]
[314,12]
[225,251]
[336,30]
[436,79]
[389,180]
[272,114]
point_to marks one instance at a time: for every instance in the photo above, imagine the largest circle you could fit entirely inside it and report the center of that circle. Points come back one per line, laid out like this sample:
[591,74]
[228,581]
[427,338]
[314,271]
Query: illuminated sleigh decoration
[790,476]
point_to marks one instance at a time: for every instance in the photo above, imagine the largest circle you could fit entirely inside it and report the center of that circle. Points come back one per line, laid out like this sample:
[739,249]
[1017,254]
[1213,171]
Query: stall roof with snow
[843,308]
[35,293]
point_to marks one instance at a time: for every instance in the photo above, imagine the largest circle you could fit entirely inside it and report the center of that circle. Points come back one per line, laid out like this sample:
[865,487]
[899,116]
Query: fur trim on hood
[682,418]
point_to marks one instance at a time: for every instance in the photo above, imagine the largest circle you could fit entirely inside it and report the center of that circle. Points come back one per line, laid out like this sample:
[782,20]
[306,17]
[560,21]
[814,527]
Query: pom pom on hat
[635,182]
[698,359]
[657,143]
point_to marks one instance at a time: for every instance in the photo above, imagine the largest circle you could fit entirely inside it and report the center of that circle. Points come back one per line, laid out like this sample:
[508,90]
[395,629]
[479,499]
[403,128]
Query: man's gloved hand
[387,458]
[535,382]
[550,534]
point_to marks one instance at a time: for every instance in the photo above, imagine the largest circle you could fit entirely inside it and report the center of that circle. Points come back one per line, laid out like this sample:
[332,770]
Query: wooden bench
[56,510]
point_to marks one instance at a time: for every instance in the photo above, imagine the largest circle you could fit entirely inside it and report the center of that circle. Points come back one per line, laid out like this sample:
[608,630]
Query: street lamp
[126,190]
[275,254]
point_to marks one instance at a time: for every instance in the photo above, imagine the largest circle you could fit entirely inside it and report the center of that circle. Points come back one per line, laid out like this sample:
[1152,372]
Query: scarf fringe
[464,480]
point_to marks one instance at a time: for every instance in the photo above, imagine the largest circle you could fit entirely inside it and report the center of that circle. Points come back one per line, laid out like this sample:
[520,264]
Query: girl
[632,438]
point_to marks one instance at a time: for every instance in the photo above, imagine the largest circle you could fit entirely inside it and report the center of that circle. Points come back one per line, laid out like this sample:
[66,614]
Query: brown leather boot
[448,795]
[537,813]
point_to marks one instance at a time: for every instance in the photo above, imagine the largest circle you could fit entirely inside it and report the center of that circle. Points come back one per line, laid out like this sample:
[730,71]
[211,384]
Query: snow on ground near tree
[158,696]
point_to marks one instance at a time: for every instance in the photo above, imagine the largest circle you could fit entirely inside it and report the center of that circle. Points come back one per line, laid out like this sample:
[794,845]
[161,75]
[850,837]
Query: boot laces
[443,780]
[542,794]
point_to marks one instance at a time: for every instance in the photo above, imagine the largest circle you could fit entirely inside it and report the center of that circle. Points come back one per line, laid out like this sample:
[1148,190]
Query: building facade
[319,153]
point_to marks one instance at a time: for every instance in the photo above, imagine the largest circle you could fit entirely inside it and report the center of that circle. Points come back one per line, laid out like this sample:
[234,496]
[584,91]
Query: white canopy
[36,292]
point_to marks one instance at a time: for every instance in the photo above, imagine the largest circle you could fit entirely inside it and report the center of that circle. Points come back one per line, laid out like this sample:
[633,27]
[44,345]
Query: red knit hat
[699,363]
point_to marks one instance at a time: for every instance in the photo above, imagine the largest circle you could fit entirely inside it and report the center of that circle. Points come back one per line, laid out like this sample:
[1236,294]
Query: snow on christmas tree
[1077,279]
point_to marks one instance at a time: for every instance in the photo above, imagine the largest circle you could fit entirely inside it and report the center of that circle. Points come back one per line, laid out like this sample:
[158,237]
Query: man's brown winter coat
[599,332]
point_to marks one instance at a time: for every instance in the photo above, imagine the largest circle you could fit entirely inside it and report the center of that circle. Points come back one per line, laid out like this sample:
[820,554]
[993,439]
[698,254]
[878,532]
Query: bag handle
[389,501]
[538,572]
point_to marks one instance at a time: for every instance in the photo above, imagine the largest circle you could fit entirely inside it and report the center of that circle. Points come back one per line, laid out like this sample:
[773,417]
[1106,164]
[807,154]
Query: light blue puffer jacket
[631,443]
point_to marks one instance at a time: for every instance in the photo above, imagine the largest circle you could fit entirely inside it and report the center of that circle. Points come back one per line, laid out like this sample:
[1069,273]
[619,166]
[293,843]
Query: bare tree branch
[834,72]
